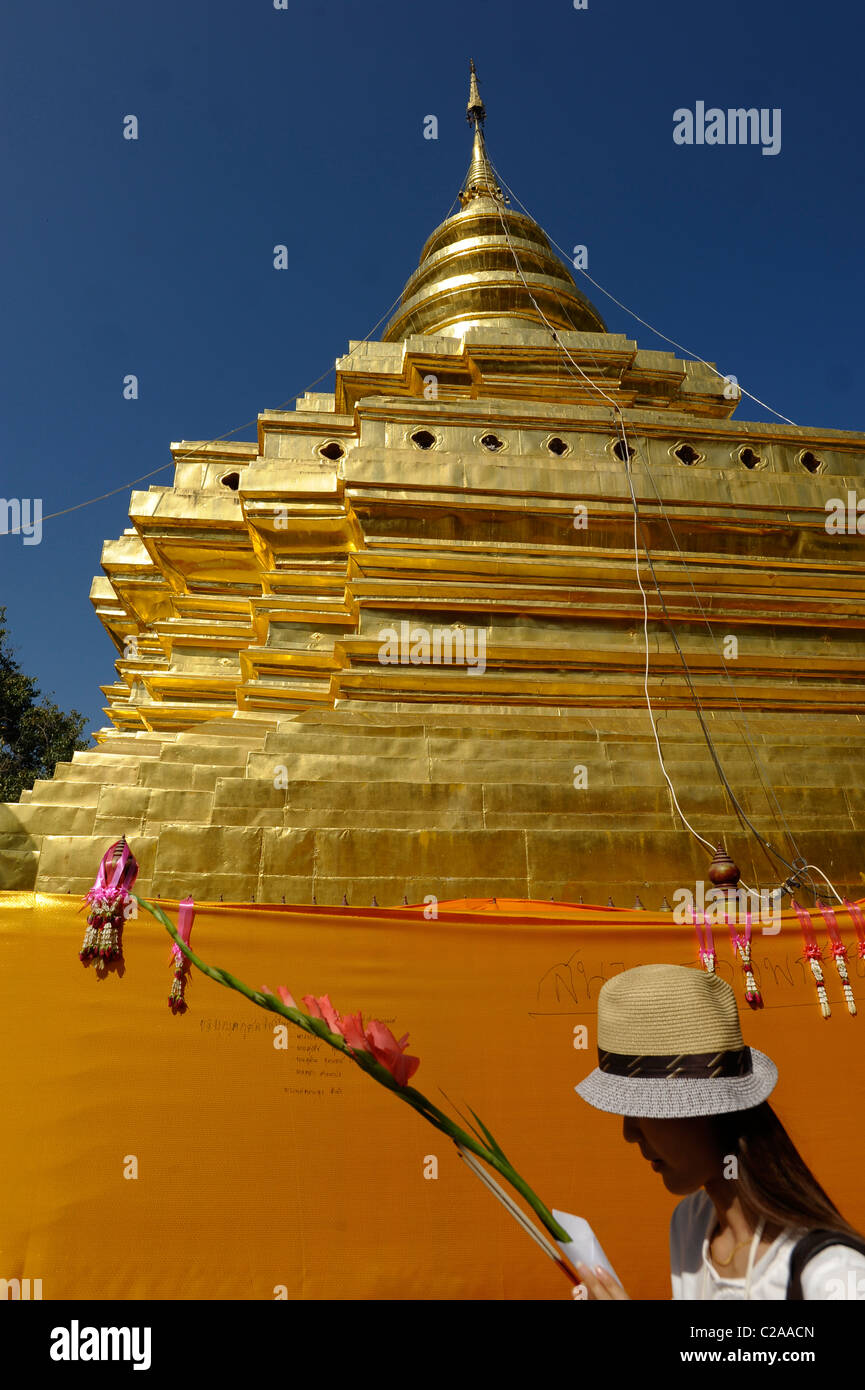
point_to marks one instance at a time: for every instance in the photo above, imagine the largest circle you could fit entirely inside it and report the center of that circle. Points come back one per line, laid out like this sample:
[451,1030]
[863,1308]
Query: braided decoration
[752,993]
[814,957]
[839,951]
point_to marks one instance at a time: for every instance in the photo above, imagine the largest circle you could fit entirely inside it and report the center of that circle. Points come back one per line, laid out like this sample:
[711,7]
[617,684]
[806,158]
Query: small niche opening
[423,439]
[748,458]
[685,454]
[332,451]
[557,446]
[811,462]
[493,443]
[623,451]
[231,480]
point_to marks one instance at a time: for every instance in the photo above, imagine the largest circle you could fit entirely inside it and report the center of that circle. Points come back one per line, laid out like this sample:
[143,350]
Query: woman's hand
[597,1284]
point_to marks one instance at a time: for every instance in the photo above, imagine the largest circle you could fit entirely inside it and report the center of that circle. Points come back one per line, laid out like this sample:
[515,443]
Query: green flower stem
[367,1063]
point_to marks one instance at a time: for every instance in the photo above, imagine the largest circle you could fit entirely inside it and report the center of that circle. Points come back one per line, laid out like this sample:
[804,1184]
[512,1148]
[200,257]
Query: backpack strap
[810,1245]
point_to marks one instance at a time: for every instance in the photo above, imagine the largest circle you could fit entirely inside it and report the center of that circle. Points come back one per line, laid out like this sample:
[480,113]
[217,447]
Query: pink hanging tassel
[108,899]
[859,923]
[742,948]
[814,957]
[706,944]
[185,918]
[839,951]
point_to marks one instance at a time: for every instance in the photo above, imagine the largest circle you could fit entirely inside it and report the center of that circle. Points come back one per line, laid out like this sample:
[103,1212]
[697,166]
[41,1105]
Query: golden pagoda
[394,648]
[476,630]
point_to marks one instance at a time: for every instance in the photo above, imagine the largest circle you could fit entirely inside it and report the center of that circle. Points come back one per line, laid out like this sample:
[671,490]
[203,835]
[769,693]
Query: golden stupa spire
[475,111]
[488,266]
[480,181]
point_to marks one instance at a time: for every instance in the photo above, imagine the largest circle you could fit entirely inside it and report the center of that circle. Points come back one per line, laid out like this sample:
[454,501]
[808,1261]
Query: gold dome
[468,272]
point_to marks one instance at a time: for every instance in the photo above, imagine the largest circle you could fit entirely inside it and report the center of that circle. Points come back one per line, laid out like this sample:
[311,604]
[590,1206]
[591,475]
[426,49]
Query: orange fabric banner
[151,1156]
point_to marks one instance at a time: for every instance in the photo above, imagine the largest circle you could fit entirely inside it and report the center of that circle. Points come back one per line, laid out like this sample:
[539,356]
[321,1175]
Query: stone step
[230,738]
[420,765]
[245,723]
[19,863]
[124,801]
[178,808]
[312,738]
[394,796]
[724,725]
[62,793]
[112,770]
[217,754]
[340,766]
[240,792]
[34,819]
[607,722]
[143,745]
[178,776]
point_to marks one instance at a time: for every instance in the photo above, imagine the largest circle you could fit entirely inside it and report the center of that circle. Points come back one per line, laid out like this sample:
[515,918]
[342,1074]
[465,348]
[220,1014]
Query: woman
[672,1062]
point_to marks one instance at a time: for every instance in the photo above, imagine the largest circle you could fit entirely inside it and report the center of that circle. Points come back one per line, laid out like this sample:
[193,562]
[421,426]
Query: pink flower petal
[330,1015]
[323,1009]
[390,1053]
[382,1040]
[352,1031]
[403,1069]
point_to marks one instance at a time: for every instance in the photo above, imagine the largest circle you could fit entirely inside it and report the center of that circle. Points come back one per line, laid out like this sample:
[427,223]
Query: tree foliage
[35,734]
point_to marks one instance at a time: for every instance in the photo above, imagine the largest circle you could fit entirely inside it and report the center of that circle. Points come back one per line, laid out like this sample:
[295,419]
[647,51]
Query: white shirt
[838,1272]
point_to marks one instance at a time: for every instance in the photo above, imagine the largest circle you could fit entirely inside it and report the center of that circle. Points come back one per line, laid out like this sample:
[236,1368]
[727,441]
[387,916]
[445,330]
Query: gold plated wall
[261,748]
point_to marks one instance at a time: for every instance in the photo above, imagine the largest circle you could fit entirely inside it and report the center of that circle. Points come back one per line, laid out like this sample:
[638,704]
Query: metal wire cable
[800,866]
[184,458]
[767,788]
[694,356]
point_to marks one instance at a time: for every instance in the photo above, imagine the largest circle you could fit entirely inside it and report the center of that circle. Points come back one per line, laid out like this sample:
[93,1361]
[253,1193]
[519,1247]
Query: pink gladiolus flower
[323,1009]
[352,1031]
[390,1053]
[376,1038]
[283,993]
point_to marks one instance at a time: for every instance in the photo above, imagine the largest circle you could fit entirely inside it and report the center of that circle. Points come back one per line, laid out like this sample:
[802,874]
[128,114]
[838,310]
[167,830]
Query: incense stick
[519,1216]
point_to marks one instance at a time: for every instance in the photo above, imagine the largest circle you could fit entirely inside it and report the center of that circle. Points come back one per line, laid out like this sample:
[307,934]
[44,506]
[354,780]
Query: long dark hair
[774,1181]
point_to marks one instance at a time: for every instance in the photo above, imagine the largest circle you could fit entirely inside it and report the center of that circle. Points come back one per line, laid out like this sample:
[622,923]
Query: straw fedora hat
[670,1046]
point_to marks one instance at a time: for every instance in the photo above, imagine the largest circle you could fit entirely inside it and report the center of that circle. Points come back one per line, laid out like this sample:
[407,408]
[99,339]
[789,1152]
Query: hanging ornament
[814,957]
[839,952]
[859,923]
[185,918]
[108,899]
[722,872]
[742,948]
[706,944]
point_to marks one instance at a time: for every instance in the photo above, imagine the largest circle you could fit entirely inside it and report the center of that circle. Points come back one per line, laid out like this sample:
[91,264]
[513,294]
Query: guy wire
[800,866]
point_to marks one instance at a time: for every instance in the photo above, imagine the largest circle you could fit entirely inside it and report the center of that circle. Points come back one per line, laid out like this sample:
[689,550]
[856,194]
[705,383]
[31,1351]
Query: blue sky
[304,126]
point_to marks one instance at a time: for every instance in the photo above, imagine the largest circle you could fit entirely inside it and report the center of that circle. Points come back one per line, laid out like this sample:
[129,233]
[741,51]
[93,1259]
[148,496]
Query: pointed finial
[480,179]
[475,111]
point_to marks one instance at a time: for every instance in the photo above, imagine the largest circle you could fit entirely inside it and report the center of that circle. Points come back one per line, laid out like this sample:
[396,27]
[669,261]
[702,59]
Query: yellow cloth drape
[263,1169]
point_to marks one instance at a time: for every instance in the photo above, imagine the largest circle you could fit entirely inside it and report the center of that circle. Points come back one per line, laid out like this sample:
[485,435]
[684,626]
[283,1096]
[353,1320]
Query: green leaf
[489,1138]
